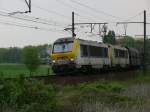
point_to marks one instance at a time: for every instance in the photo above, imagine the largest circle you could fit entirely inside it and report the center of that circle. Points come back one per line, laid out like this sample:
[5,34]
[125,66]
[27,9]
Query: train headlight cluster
[53,61]
[71,59]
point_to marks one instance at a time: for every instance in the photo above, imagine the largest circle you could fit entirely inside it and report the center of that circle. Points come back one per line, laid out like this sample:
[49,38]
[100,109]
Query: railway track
[82,78]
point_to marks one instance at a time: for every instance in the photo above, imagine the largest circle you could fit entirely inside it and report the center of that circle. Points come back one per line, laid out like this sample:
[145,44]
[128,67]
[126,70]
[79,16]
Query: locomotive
[71,54]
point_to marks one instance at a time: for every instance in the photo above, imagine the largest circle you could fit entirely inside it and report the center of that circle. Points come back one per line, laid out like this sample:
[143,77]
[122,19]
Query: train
[74,54]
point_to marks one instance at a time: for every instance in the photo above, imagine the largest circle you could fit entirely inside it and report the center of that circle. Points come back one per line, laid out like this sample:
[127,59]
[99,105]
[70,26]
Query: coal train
[73,54]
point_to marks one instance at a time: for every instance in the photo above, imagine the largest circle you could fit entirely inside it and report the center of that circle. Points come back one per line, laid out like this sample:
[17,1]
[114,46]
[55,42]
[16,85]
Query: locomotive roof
[118,47]
[93,43]
[67,39]
[133,49]
[90,42]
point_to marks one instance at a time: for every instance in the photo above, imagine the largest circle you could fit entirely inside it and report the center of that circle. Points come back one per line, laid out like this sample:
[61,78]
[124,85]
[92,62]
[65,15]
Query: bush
[27,96]
[102,86]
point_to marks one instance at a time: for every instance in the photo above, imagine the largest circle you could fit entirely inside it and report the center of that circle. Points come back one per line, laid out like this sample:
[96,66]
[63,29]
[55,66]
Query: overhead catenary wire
[81,16]
[38,19]
[12,24]
[64,3]
[7,15]
[92,16]
[26,26]
[78,3]
[125,25]
[130,18]
[95,10]
[91,9]
[41,21]
[26,19]
[129,21]
[51,11]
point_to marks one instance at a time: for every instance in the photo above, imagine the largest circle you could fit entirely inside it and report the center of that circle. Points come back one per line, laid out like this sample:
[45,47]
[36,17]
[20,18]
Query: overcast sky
[57,15]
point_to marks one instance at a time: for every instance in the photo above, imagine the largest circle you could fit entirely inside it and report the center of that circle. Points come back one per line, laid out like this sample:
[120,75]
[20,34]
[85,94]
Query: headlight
[71,59]
[53,61]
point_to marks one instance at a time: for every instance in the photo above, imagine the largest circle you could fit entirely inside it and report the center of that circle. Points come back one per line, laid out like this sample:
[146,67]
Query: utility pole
[30,6]
[125,29]
[144,47]
[73,33]
[144,44]
[28,2]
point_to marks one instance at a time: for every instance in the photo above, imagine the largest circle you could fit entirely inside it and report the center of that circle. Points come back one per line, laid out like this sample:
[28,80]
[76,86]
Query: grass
[21,95]
[15,70]
[107,96]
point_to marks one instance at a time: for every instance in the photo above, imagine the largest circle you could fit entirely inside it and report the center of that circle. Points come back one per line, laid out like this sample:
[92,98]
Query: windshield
[62,47]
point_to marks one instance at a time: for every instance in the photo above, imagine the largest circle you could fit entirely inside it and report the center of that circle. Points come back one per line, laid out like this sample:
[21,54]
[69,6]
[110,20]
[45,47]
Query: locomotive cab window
[62,47]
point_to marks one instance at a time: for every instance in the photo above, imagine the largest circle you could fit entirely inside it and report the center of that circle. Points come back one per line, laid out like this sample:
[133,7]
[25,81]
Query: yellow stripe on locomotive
[66,55]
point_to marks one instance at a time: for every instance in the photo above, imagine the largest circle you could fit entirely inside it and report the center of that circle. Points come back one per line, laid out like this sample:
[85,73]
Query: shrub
[22,94]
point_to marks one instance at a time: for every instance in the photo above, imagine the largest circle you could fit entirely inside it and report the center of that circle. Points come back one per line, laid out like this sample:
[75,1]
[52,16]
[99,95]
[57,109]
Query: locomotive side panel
[134,57]
[120,57]
[92,54]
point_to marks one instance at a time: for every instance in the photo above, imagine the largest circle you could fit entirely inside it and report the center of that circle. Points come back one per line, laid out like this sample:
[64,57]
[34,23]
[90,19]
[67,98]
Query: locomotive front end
[64,55]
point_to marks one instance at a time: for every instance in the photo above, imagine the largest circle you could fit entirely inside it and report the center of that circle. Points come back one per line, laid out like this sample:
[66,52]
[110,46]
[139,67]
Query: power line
[66,4]
[48,10]
[25,19]
[12,24]
[38,19]
[18,25]
[81,16]
[51,11]
[95,10]
[134,16]
[34,18]
[26,26]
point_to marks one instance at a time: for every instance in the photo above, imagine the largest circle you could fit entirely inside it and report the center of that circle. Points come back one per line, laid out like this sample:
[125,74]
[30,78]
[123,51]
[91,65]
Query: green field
[15,70]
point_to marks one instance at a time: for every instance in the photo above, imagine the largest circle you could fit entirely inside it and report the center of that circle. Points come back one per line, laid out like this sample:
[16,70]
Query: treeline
[14,54]
[10,55]
[138,44]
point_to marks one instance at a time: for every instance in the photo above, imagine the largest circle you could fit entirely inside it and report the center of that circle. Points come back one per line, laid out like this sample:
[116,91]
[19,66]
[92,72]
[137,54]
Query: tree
[127,41]
[110,38]
[30,58]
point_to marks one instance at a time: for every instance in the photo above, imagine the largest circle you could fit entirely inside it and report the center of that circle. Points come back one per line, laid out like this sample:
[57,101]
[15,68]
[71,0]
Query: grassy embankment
[20,95]
[15,70]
